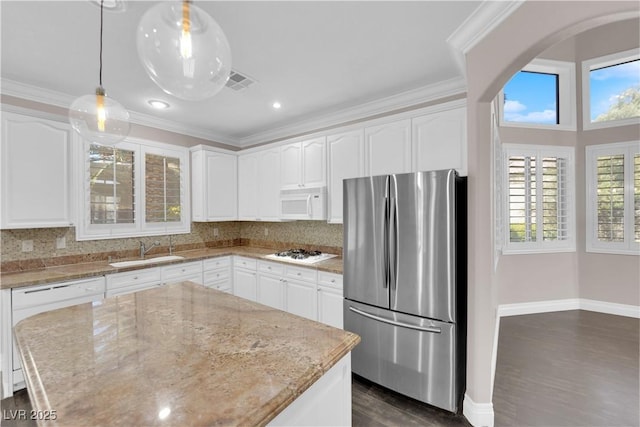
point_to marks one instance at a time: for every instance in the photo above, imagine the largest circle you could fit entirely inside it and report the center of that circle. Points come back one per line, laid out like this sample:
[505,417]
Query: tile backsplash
[308,234]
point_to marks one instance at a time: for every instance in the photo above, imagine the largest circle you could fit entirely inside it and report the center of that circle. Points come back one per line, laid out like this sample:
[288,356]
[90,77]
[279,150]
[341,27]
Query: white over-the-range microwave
[304,203]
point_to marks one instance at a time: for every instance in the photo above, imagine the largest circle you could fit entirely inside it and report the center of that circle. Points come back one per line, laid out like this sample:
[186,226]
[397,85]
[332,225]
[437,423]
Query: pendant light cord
[101,20]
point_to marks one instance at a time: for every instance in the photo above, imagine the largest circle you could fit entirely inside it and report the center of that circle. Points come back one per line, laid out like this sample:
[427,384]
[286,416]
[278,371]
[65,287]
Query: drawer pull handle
[135,277]
[37,290]
[333,280]
[299,274]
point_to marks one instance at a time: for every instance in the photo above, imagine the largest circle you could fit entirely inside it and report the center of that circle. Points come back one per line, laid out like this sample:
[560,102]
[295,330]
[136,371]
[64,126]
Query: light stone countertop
[99,268]
[209,357]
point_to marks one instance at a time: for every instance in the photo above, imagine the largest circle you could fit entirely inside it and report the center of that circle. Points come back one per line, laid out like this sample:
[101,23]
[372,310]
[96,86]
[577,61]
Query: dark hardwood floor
[572,368]
[569,368]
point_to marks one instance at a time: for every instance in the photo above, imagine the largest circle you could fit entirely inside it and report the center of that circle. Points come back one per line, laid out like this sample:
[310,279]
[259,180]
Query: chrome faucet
[144,250]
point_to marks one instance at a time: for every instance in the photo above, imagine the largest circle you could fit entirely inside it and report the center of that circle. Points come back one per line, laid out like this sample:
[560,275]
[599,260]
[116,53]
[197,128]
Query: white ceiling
[313,57]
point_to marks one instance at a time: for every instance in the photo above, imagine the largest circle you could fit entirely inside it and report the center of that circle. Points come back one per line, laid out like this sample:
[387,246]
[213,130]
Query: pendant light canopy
[98,118]
[184,50]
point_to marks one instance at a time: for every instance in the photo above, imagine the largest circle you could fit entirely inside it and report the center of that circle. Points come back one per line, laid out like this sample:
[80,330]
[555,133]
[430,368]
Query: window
[613,198]
[137,188]
[611,90]
[541,95]
[539,202]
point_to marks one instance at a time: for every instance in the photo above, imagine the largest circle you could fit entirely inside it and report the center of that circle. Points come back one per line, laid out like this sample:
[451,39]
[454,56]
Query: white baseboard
[610,308]
[478,414]
[568,304]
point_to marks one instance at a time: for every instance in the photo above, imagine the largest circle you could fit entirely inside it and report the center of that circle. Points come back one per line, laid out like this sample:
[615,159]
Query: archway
[530,30]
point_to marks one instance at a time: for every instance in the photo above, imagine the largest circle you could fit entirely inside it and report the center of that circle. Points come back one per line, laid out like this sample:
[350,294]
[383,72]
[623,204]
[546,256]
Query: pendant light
[183,50]
[98,118]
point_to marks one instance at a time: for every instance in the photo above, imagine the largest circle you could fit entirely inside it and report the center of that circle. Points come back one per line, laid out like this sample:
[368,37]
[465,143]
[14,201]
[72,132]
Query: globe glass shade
[189,59]
[102,121]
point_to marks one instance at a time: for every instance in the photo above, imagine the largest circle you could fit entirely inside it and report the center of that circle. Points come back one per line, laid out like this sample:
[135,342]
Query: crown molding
[481,22]
[62,100]
[432,92]
[388,104]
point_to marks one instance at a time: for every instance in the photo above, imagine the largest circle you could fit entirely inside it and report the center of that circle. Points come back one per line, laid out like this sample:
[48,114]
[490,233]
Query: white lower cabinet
[191,271]
[271,284]
[245,281]
[330,299]
[301,298]
[216,274]
[132,281]
[20,303]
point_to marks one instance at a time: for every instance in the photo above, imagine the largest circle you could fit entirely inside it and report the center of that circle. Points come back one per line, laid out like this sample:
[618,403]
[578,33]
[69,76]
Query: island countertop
[180,354]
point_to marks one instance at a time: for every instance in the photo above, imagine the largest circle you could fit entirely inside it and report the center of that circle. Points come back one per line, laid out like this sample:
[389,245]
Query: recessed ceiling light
[160,105]
[276,105]
[112,5]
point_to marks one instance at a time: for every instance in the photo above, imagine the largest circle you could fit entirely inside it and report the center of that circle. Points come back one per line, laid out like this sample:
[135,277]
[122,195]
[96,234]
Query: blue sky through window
[531,97]
[606,83]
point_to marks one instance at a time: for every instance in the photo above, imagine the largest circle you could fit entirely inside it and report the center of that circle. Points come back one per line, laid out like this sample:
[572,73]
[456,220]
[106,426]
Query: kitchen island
[184,354]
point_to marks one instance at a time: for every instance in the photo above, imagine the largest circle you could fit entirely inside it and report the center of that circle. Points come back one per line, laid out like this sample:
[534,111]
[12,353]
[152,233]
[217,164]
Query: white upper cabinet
[214,185]
[388,148]
[36,175]
[346,158]
[440,141]
[259,185]
[269,184]
[303,164]
[248,186]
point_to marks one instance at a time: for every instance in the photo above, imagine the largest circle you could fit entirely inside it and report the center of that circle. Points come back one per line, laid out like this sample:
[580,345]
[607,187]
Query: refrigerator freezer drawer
[414,356]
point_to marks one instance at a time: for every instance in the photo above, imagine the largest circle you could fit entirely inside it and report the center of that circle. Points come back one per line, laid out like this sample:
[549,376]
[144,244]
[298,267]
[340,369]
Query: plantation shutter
[610,198]
[162,188]
[522,199]
[555,209]
[111,185]
[636,197]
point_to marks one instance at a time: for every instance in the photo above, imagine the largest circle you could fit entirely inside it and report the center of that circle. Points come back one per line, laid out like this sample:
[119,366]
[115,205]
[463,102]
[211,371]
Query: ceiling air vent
[239,81]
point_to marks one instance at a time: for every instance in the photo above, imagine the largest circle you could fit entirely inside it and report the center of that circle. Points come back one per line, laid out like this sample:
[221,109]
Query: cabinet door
[440,141]
[388,148]
[314,162]
[291,166]
[269,185]
[330,306]
[248,186]
[245,284]
[346,158]
[302,299]
[222,186]
[271,291]
[36,175]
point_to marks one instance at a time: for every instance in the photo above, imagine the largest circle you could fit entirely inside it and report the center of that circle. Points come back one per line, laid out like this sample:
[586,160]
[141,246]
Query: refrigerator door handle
[395,322]
[392,238]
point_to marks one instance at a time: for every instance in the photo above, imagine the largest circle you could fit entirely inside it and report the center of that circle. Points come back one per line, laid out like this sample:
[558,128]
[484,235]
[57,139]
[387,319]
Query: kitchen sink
[166,258]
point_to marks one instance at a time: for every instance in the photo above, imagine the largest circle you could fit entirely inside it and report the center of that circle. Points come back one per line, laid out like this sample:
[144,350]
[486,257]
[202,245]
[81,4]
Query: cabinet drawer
[244,262]
[180,271]
[219,262]
[137,287]
[222,285]
[147,275]
[55,292]
[270,267]
[330,279]
[215,275]
[306,274]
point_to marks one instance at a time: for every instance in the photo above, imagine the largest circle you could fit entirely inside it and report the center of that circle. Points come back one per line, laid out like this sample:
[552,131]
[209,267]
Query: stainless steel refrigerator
[405,282]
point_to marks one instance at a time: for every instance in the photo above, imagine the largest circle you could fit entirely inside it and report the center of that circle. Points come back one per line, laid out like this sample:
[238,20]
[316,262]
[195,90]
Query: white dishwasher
[28,301]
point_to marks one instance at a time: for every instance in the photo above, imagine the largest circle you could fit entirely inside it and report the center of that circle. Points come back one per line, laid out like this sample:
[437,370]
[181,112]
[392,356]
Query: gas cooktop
[301,256]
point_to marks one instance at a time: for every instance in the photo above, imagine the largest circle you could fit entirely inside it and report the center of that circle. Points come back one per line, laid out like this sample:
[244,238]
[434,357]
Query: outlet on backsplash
[27,246]
[266,231]
[61,242]
[216,233]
